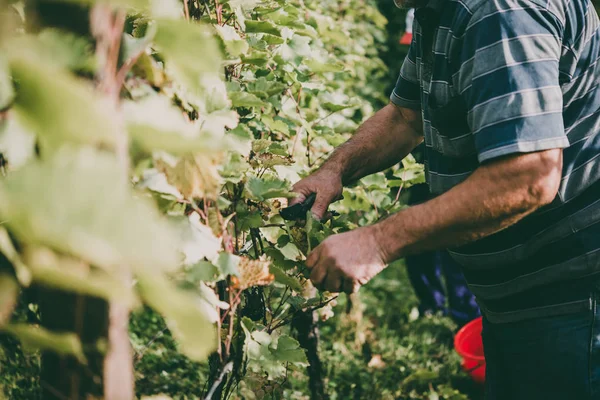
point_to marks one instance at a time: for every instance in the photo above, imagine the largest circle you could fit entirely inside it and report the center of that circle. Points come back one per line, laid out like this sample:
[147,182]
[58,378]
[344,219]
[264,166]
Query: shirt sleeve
[407,92]
[509,79]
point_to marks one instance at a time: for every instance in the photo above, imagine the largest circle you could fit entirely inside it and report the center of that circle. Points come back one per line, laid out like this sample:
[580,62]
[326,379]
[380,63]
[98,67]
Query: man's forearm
[494,197]
[382,141]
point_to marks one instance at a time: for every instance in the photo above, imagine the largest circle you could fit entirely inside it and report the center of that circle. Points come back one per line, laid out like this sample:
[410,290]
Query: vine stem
[186,10]
[226,369]
[107,27]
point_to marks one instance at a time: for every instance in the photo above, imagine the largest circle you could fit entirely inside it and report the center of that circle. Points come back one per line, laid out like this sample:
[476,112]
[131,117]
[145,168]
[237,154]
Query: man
[505,95]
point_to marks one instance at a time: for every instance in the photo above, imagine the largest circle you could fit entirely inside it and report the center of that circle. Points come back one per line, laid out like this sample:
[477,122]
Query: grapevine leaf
[37,338]
[268,188]
[258,58]
[319,67]
[276,125]
[60,108]
[175,39]
[234,168]
[245,99]
[195,176]
[203,271]
[227,264]
[234,44]
[262,27]
[285,279]
[262,85]
[183,313]
[288,349]
[197,241]
[157,182]
[49,269]
[82,222]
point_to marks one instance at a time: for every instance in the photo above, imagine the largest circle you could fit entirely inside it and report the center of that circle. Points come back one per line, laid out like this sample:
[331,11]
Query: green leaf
[320,67]
[83,222]
[156,124]
[288,350]
[203,271]
[262,27]
[270,88]
[60,108]
[182,310]
[69,50]
[283,278]
[234,44]
[234,168]
[267,188]
[51,270]
[258,58]
[276,125]
[250,220]
[37,338]
[245,99]
[190,49]
[197,241]
[227,264]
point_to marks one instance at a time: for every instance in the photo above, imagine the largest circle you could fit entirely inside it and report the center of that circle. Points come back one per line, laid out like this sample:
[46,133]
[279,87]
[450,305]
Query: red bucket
[469,345]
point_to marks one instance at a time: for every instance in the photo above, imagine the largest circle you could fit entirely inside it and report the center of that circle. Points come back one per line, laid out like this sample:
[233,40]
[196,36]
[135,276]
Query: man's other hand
[326,184]
[344,262]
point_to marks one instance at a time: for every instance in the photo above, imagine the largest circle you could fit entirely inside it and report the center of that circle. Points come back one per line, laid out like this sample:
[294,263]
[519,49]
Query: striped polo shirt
[499,77]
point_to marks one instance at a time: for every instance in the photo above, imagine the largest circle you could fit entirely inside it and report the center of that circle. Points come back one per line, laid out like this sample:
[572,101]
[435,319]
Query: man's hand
[344,262]
[326,184]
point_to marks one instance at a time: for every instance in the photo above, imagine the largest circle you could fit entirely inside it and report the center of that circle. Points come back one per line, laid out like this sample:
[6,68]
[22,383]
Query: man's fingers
[321,203]
[313,257]
[318,275]
[350,286]
[333,282]
[298,199]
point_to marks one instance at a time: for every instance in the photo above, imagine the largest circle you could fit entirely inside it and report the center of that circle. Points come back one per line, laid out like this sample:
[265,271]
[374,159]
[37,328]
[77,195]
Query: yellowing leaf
[195,176]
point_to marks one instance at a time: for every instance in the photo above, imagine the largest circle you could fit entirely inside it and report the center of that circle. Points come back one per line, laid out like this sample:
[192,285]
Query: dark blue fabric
[425,274]
[552,358]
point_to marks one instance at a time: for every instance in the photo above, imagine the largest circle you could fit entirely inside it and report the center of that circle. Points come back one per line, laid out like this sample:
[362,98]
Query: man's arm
[382,141]
[498,194]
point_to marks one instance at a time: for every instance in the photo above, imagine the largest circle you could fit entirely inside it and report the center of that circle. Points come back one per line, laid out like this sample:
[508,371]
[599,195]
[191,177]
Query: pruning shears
[299,210]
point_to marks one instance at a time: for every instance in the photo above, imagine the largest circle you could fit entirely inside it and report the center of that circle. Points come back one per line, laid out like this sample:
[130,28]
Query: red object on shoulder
[406,38]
